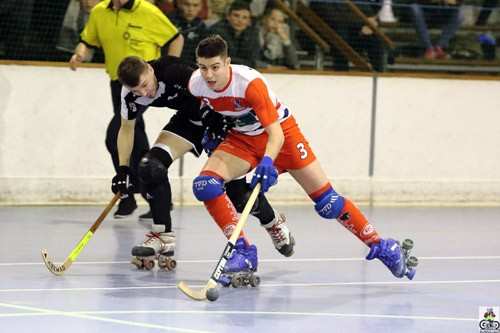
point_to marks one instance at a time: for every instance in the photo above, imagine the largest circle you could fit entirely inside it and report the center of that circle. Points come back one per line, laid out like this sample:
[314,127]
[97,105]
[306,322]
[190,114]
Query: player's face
[215,71]
[239,19]
[190,9]
[147,84]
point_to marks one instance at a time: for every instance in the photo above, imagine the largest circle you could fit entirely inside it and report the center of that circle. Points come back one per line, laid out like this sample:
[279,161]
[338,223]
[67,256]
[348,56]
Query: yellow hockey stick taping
[76,251]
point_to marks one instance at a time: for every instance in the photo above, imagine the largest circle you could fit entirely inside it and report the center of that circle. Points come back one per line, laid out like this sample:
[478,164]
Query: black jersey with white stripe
[173,77]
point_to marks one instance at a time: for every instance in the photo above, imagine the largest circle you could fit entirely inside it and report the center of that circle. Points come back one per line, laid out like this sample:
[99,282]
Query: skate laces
[278,231]
[152,237]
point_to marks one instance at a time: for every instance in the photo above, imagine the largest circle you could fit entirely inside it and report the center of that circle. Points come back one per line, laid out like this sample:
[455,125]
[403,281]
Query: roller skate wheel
[407,244]
[167,263]
[237,281]
[149,264]
[412,262]
[172,264]
[254,280]
[137,263]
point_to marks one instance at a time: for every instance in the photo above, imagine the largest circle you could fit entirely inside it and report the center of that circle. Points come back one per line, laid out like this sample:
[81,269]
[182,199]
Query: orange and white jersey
[246,98]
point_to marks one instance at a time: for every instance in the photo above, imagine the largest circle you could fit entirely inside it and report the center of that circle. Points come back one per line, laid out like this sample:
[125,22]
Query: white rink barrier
[435,141]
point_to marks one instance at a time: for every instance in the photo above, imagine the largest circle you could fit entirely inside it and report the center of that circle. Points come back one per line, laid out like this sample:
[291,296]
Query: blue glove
[266,174]
[209,142]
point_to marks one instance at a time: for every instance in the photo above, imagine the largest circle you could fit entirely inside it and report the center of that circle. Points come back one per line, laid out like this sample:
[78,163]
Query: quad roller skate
[280,234]
[157,249]
[395,256]
[241,267]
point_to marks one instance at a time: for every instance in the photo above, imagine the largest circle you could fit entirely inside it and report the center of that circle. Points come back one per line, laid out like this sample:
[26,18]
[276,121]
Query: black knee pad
[153,173]
[153,167]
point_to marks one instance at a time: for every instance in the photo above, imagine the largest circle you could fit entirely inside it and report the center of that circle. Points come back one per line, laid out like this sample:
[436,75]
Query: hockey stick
[60,269]
[201,294]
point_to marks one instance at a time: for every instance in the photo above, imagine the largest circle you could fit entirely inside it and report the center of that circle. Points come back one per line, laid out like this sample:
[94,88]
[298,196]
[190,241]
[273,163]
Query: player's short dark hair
[212,46]
[239,5]
[130,70]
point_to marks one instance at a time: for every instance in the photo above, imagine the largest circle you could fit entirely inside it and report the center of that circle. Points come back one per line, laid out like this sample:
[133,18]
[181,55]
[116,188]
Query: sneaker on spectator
[430,54]
[126,207]
[439,53]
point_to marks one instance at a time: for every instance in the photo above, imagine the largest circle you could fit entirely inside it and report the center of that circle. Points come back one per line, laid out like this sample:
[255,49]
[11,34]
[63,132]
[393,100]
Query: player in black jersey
[163,83]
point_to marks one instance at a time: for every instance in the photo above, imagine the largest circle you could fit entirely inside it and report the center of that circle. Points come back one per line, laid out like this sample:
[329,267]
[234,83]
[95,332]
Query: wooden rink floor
[327,286]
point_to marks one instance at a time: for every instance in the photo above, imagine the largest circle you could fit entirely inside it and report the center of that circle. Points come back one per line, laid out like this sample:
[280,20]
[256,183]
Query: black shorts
[189,130]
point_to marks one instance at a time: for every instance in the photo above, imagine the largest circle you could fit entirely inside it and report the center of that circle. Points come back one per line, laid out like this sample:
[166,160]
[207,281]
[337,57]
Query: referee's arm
[174,46]
[82,53]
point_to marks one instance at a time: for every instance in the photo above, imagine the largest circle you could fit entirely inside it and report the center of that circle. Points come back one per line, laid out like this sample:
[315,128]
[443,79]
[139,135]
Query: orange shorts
[295,153]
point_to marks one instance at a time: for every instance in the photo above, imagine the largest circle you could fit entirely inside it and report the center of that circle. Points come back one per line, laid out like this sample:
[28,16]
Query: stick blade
[197,295]
[53,268]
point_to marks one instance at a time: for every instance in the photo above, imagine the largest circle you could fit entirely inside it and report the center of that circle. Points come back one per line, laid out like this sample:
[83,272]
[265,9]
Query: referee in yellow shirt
[124,28]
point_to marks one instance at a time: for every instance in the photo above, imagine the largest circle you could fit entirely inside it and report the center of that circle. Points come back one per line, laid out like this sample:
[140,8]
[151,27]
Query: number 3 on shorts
[302,150]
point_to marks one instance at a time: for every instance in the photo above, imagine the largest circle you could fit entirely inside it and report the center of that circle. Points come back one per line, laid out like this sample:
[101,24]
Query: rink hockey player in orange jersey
[266,137]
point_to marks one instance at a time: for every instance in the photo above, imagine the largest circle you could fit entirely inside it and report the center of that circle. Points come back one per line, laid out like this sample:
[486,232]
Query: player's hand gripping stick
[265,173]
[121,182]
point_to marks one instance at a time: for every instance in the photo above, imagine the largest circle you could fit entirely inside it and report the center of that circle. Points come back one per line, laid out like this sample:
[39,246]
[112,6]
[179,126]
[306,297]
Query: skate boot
[396,257]
[241,266]
[280,234]
[158,247]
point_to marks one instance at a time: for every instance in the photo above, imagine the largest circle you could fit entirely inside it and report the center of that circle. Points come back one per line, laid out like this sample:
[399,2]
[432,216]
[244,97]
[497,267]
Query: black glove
[121,182]
[216,125]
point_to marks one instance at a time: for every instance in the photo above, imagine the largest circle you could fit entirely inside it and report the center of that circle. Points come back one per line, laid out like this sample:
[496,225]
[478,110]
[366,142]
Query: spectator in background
[277,46]
[123,28]
[15,21]
[241,37]
[350,27]
[216,11]
[448,13]
[166,6]
[193,29]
